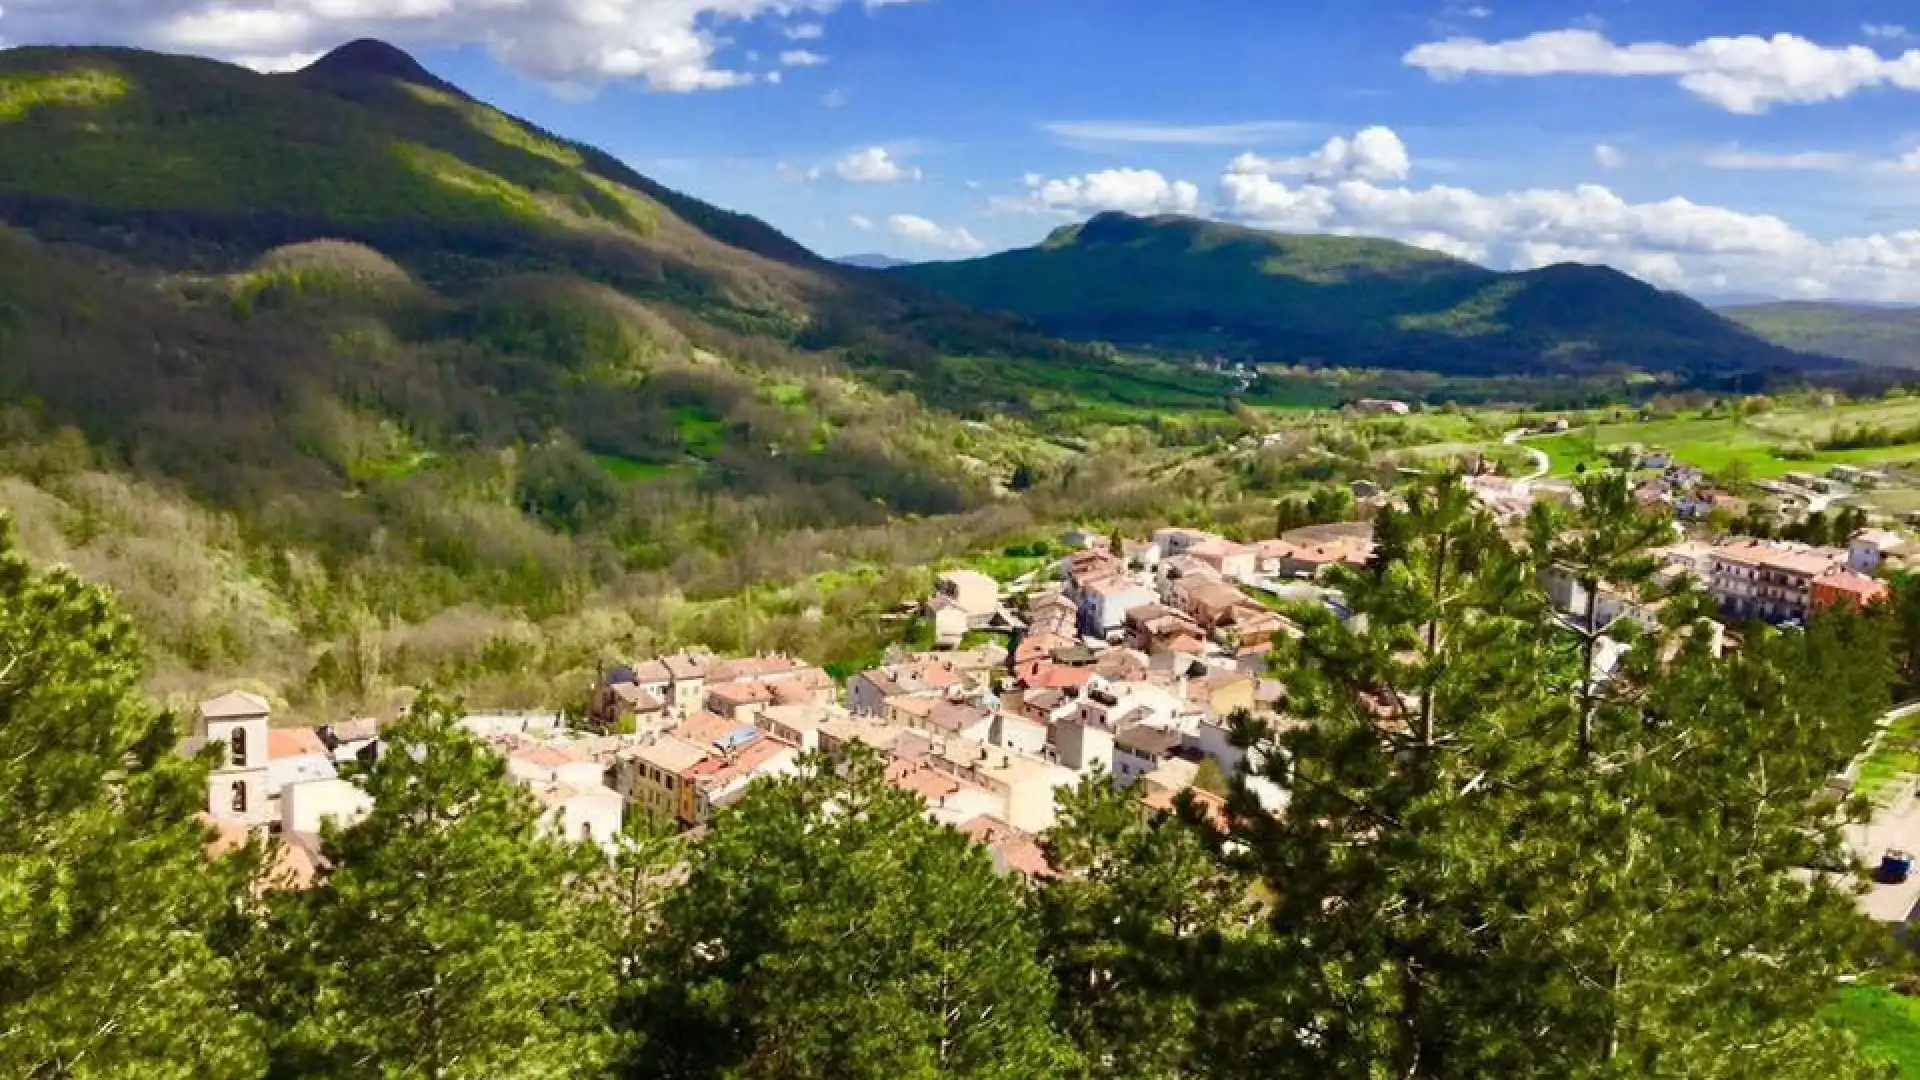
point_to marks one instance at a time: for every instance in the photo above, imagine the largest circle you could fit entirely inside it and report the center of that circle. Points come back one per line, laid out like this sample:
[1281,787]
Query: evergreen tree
[1134,932]
[1602,544]
[1465,887]
[107,900]
[827,929]
[447,939]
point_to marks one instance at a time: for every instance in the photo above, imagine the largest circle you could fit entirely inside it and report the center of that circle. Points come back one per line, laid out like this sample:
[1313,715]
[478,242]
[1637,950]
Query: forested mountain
[290,359]
[1868,333]
[874,262]
[1184,283]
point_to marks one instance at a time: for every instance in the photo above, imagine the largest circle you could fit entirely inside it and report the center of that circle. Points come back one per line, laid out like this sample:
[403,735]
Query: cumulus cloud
[1609,157]
[861,222]
[1740,74]
[1675,243]
[921,231]
[807,32]
[1134,191]
[1886,31]
[1374,154]
[874,165]
[802,58]
[666,45]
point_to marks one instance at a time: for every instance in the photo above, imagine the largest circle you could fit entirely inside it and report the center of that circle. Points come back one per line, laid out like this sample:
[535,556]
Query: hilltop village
[1130,658]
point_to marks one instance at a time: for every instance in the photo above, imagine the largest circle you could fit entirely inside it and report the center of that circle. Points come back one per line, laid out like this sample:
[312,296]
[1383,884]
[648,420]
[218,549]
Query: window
[237,748]
[239,794]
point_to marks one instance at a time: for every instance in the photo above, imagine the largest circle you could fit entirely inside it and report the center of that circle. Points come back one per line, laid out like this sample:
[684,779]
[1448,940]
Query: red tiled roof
[1019,850]
[294,742]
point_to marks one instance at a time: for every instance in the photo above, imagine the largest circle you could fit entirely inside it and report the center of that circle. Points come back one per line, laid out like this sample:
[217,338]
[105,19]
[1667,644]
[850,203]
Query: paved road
[1542,464]
[1896,826]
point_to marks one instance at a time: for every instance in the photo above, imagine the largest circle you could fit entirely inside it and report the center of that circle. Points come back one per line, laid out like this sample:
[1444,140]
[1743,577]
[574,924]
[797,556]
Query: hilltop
[311,365]
[1868,333]
[1182,283]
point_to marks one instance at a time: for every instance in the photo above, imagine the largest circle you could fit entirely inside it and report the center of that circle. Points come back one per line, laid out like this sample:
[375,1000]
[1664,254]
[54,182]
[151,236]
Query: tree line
[1498,856]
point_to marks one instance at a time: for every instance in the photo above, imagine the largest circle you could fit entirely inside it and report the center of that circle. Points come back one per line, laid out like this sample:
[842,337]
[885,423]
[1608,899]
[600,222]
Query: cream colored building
[237,787]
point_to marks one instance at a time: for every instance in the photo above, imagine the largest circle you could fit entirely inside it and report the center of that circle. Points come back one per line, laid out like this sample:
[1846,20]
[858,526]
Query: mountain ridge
[1185,283]
[1882,335]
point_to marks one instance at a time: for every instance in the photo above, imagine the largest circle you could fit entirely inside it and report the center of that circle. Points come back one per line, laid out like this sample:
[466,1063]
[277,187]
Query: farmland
[1765,445]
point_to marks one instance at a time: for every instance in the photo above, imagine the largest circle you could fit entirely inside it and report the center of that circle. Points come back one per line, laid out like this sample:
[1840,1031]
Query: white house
[590,814]
[306,806]
[1104,604]
[1870,547]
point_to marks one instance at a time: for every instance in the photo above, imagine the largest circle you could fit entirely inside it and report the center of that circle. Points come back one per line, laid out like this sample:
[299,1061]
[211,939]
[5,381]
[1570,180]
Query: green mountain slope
[1882,336]
[420,378]
[1182,283]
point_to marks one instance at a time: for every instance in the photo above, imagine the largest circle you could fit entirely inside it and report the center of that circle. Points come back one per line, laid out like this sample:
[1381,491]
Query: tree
[447,940]
[107,901]
[828,929]
[1133,930]
[1466,887]
[1602,545]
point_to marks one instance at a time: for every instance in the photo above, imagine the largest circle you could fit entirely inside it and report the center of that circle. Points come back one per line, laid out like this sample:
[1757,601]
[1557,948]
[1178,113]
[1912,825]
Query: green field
[635,471]
[1757,443]
[1897,754]
[1886,1024]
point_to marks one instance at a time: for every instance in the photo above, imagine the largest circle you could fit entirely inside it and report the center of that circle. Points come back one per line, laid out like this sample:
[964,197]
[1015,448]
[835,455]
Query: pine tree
[1465,887]
[1134,931]
[447,940]
[106,898]
[827,929]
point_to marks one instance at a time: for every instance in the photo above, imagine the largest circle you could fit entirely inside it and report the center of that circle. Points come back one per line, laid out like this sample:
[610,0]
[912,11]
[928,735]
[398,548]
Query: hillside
[347,380]
[1181,283]
[1866,333]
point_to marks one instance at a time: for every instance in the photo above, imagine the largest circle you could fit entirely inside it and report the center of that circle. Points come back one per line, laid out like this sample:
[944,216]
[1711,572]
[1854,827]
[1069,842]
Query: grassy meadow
[1766,445]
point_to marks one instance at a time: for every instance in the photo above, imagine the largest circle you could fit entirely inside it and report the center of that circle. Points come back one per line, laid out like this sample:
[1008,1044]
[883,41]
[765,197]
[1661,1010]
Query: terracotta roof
[550,757]
[1810,562]
[1149,741]
[741,693]
[930,785]
[705,728]
[747,761]
[687,665]
[1019,851]
[1859,586]
[294,742]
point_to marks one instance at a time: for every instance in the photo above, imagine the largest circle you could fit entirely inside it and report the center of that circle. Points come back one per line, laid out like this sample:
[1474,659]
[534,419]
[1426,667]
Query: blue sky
[1764,146]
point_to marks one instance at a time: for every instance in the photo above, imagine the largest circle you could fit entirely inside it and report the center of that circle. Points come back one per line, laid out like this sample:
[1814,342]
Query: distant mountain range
[1877,334]
[1184,283]
[873,262]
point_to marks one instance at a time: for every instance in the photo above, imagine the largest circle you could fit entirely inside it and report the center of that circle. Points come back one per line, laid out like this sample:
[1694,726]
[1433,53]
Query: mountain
[347,379]
[1717,301]
[874,262]
[1877,334]
[1181,283]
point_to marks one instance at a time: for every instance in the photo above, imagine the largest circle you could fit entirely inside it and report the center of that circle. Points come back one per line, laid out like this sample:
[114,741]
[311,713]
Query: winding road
[1542,464]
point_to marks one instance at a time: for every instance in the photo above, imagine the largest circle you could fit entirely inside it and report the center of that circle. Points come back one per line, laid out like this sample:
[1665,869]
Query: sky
[1767,147]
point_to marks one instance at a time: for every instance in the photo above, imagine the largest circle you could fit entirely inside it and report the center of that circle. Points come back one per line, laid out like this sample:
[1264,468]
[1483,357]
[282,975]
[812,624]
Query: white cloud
[861,222]
[1374,154]
[1886,31]
[796,173]
[1740,74]
[1675,243]
[807,32]
[1153,133]
[921,231]
[874,165]
[1609,157]
[834,98]
[665,45]
[802,58]
[1134,191]
[1735,159]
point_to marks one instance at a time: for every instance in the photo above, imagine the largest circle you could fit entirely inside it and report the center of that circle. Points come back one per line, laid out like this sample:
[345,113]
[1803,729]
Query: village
[1132,659]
